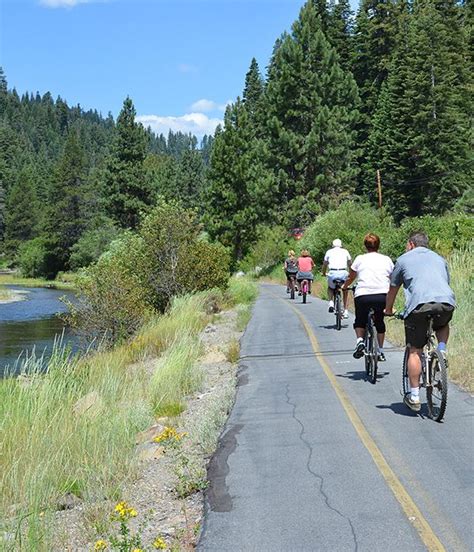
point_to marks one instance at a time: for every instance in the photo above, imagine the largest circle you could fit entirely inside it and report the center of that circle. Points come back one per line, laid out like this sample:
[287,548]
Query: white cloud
[63,3]
[208,105]
[196,123]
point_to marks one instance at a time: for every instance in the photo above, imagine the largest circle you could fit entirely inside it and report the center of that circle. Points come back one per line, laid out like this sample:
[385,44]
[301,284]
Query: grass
[16,280]
[73,428]
[5,294]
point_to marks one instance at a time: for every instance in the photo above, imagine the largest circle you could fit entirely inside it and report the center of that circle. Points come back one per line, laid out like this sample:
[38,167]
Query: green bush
[142,272]
[271,246]
[91,245]
[113,302]
[32,258]
[353,220]
[205,266]
[350,222]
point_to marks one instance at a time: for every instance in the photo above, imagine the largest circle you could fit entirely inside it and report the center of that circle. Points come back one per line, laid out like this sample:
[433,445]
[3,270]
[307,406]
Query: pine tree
[253,92]
[421,134]
[311,108]
[189,178]
[231,212]
[128,194]
[22,211]
[339,31]
[66,217]
[3,92]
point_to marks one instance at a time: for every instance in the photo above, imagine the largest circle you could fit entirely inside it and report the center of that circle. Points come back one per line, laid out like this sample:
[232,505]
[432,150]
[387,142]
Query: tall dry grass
[72,429]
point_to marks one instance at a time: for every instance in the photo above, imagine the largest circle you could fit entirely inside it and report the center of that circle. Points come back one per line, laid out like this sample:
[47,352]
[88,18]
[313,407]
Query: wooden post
[379,188]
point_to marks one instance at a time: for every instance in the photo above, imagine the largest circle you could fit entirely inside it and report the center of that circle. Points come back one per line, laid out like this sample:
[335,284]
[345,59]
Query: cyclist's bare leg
[345,295]
[414,366]
[360,332]
[380,339]
[443,334]
[330,294]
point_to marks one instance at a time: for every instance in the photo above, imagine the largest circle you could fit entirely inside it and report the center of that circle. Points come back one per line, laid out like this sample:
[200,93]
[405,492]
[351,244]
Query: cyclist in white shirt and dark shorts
[336,261]
[373,272]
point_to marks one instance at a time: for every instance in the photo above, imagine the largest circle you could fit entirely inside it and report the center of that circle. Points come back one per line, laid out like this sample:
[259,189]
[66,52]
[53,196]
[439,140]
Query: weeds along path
[313,457]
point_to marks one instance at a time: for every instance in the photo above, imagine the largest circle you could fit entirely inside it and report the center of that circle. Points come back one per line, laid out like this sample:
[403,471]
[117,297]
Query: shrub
[350,222]
[142,273]
[91,245]
[32,258]
[272,245]
[113,302]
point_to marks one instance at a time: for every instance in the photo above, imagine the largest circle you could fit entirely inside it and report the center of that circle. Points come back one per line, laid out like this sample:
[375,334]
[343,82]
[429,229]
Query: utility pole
[379,188]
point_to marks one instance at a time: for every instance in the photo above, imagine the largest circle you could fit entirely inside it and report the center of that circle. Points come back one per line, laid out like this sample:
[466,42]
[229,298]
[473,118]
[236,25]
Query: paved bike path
[292,474]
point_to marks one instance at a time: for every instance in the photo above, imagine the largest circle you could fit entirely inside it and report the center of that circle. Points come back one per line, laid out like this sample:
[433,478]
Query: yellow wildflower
[169,434]
[100,545]
[159,544]
[137,550]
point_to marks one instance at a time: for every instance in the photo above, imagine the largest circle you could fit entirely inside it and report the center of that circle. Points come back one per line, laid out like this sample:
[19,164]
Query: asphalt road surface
[315,458]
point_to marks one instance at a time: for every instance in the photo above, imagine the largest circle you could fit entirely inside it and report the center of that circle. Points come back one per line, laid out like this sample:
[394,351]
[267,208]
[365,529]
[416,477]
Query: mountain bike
[338,303]
[434,374]
[371,353]
[292,284]
[304,287]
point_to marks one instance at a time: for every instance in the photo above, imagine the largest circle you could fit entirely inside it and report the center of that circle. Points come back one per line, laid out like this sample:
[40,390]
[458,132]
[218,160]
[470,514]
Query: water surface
[31,325]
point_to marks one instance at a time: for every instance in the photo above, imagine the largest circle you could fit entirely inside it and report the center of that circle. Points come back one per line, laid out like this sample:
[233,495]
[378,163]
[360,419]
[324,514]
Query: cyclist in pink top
[305,268]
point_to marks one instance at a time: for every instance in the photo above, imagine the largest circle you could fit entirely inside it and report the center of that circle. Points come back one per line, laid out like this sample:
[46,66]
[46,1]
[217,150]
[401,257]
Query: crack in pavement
[314,474]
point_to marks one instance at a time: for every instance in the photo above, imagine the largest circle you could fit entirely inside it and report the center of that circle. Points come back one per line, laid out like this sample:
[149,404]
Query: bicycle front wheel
[437,388]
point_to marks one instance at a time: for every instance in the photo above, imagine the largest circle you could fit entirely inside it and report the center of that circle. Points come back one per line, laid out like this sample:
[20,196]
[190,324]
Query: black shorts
[416,323]
[363,304]
[290,274]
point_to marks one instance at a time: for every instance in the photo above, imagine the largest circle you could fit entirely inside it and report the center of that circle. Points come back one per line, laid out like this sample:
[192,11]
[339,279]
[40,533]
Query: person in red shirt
[305,268]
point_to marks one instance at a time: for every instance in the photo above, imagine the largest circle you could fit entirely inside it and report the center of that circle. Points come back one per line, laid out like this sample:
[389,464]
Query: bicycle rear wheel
[292,288]
[437,392]
[371,353]
[337,310]
[405,379]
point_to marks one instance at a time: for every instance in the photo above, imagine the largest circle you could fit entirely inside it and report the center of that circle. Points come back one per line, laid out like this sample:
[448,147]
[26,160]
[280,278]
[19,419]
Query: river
[30,325]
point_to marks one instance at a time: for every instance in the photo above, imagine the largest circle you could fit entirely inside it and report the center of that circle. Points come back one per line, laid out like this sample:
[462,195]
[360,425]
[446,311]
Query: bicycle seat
[338,281]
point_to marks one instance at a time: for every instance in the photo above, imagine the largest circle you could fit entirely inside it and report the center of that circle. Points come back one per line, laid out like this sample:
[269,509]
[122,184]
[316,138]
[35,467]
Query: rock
[210,328]
[239,274]
[149,451]
[67,502]
[149,434]
[90,404]
[214,356]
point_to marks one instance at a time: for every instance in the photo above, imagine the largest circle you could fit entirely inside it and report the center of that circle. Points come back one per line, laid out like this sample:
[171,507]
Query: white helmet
[337,243]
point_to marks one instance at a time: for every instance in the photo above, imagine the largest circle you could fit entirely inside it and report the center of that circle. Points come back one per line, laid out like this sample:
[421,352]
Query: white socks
[415,393]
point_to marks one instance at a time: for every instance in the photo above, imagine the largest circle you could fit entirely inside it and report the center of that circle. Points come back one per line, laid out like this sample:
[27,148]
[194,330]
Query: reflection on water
[31,325]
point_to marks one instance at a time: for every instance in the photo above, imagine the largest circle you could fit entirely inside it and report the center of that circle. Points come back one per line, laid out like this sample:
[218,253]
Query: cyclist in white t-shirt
[336,261]
[373,272]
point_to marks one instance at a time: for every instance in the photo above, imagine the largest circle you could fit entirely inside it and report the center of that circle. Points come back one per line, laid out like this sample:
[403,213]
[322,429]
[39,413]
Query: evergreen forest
[345,96]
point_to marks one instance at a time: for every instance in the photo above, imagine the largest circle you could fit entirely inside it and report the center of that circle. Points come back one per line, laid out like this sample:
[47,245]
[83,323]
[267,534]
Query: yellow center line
[414,515]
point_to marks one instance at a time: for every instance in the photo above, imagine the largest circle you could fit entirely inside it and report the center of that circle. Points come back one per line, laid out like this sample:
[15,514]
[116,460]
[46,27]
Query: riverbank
[13,278]
[91,461]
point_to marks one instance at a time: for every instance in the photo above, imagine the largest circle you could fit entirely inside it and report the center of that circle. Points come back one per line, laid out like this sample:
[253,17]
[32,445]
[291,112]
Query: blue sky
[180,61]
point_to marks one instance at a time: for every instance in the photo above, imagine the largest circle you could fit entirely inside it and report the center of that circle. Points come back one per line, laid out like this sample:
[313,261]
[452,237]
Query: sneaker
[413,404]
[345,314]
[381,357]
[331,306]
[359,350]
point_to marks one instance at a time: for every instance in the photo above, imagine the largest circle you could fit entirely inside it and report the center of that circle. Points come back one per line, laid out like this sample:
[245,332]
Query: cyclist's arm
[391,295]
[324,268]
[350,279]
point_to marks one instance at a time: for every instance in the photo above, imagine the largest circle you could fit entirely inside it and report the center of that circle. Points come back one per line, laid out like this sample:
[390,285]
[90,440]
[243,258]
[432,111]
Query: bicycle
[292,284]
[304,287]
[338,303]
[371,345]
[434,374]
